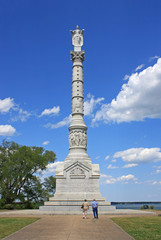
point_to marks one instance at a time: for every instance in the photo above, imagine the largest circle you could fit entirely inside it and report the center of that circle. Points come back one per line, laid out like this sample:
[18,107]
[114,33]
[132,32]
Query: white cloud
[6,104]
[105,176]
[158,171]
[139,67]
[126,77]
[51,168]
[7,130]
[130,165]
[107,157]
[51,111]
[90,104]
[138,99]
[140,155]
[22,115]
[45,143]
[123,179]
[152,58]
[154,182]
[111,167]
[113,160]
[66,121]
[97,157]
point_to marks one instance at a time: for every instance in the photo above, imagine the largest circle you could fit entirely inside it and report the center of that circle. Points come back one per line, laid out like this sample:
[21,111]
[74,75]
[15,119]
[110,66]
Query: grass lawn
[141,228]
[10,225]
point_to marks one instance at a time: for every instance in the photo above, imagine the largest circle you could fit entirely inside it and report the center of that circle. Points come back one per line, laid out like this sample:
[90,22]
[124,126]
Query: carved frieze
[78,105]
[77,138]
[77,173]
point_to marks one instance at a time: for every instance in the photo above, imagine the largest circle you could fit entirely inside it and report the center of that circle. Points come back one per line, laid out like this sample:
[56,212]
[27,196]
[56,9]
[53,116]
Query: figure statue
[77,38]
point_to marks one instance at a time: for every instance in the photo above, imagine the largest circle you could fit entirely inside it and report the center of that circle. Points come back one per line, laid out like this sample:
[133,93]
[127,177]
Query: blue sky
[122,86]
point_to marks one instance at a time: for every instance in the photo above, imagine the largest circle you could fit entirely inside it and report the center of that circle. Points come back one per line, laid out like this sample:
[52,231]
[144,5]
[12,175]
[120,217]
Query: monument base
[74,206]
[75,182]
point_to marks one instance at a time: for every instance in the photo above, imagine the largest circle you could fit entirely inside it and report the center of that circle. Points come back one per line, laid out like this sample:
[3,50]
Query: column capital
[77,56]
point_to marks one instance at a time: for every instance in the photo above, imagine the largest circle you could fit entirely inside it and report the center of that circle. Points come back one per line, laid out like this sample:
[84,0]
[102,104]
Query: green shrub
[151,207]
[8,206]
[2,203]
[145,207]
[19,206]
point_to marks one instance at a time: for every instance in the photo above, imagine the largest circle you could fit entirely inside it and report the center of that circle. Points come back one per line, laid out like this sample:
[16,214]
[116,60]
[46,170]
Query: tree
[18,166]
[50,184]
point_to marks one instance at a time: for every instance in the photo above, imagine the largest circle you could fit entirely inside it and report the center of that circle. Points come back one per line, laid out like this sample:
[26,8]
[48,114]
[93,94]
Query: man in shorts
[85,209]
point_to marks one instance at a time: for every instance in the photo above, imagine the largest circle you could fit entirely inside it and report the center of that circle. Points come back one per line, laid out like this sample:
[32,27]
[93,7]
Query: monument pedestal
[75,182]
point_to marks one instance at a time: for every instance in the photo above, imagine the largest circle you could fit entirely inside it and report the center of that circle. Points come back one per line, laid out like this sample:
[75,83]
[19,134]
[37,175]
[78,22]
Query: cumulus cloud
[113,160]
[130,165]
[66,121]
[107,157]
[6,104]
[45,143]
[7,130]
[51,168]
[152,58]
[138,99]
[158,171]
[111,167]
[140,155]
[139,67]
[51,111]
[105,176]
[122,179]
[22,115]
[90,104]
[156,182]
[126,77]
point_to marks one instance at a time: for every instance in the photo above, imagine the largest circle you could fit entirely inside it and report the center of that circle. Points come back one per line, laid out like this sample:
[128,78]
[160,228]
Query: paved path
[71,227]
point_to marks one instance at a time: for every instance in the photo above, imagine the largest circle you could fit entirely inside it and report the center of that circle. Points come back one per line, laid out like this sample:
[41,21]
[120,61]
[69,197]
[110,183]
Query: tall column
[77,128]
[76,178]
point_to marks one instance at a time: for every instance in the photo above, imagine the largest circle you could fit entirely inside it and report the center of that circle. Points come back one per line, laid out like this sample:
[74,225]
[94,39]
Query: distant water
[135,205]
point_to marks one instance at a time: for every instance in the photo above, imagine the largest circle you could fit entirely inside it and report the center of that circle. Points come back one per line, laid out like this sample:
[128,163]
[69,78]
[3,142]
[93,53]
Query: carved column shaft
[77,83]
[77,135]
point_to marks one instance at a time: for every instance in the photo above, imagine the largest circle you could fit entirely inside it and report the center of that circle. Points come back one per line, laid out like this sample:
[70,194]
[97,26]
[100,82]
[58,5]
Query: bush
[19,206]
[145,207]
[9,206]
[2,203]
[32,205]
[151,207]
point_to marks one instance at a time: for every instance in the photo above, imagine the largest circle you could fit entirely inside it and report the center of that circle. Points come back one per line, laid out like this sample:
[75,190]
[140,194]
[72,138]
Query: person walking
[85,206]
[95,208]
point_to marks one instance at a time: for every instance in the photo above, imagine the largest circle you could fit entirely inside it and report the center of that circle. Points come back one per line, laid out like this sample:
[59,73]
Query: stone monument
[76,178]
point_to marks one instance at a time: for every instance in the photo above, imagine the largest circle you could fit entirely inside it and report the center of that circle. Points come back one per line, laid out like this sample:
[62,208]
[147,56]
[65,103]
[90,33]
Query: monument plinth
[76,178]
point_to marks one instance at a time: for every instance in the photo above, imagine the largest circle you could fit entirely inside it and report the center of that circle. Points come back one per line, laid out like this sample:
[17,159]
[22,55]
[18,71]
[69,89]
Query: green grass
[10,225]
[141,228]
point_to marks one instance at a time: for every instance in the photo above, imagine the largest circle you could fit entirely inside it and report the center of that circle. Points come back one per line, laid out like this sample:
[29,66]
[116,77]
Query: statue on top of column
[77,38]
